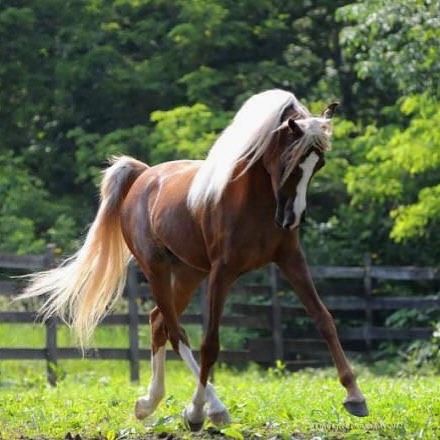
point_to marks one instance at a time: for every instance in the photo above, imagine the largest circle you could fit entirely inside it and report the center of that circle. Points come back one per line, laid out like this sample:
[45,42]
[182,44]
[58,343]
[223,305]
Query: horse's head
[295,155]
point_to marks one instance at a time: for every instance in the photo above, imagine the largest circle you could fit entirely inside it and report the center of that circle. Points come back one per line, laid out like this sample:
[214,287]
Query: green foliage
[81,81]
[18,235]
[413,220]
[420,354]
[26,213]
[401,165]
[92,150]
[394,43]
[185,132]
[411,359]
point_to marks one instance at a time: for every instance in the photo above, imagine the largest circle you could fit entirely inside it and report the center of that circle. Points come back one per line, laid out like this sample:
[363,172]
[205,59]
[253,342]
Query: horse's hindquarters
[155,217]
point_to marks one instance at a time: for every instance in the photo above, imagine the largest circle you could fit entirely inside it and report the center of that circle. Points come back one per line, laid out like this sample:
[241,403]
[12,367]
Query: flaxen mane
[247,138]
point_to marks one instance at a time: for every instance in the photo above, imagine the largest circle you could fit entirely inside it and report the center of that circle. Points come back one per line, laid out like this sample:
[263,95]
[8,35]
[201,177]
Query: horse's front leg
[218,285]
[294,266]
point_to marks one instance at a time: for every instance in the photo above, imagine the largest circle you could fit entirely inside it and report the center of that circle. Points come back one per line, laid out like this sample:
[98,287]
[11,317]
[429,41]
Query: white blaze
[307,167]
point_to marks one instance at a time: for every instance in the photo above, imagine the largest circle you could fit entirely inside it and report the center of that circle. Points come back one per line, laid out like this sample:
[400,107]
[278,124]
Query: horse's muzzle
[284,215]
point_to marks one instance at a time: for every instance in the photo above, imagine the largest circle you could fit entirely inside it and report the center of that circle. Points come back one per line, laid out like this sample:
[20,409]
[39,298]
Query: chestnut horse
[187,220]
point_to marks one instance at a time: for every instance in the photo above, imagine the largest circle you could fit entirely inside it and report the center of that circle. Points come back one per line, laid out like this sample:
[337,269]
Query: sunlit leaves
[394,42]
[412,220]
[400,165]
[185,132]
[26,213]
[156,79]
[92,149]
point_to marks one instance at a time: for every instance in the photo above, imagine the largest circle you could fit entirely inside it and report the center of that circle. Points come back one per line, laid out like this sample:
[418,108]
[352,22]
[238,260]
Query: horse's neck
[256,184]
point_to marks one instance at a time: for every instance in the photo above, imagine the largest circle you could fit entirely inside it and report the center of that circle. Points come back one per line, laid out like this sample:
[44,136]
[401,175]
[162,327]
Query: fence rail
[298,347]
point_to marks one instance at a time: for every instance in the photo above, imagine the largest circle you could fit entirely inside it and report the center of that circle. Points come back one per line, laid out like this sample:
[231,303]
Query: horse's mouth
[285,216]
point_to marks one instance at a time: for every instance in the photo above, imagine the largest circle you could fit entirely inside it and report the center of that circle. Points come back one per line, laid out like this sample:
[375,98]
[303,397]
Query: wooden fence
[282,331]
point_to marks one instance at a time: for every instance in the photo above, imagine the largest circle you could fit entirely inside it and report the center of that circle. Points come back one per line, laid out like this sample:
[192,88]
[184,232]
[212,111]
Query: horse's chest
[248,247]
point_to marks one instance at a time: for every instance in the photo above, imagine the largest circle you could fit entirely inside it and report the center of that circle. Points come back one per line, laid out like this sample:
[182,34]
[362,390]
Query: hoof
[220,418]
[143,408]
[192,426]
[358,409]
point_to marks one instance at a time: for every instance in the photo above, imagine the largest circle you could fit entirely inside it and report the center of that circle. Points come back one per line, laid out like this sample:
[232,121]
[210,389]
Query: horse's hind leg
[146,405]
[172,291]
[184,280]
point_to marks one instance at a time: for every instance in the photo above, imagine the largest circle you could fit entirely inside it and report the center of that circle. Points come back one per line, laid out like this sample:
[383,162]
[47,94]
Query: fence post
[368,291]
[133,321]
[51,327]
[277,325]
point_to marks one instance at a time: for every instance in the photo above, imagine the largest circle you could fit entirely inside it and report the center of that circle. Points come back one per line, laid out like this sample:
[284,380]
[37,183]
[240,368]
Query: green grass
[95,398]
[28,335]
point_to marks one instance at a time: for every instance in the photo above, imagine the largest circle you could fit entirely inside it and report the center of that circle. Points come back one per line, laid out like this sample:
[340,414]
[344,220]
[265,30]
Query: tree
[394,43]
[158,79]
[401,169]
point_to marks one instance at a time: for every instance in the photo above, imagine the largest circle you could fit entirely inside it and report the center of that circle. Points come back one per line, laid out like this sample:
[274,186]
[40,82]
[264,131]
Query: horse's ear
[294,127]
[330,110]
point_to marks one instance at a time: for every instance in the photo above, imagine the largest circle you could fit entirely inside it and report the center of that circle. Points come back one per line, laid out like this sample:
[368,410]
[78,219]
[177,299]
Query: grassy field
[95,399]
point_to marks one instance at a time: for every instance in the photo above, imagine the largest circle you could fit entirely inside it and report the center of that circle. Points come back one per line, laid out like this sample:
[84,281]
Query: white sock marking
[156,389]
[146,405]
[201,395]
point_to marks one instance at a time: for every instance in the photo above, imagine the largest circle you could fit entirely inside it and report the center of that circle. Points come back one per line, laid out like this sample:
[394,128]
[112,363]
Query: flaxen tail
[87,284]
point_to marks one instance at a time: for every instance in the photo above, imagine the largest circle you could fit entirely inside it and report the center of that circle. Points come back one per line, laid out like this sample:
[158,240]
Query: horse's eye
[290,138]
